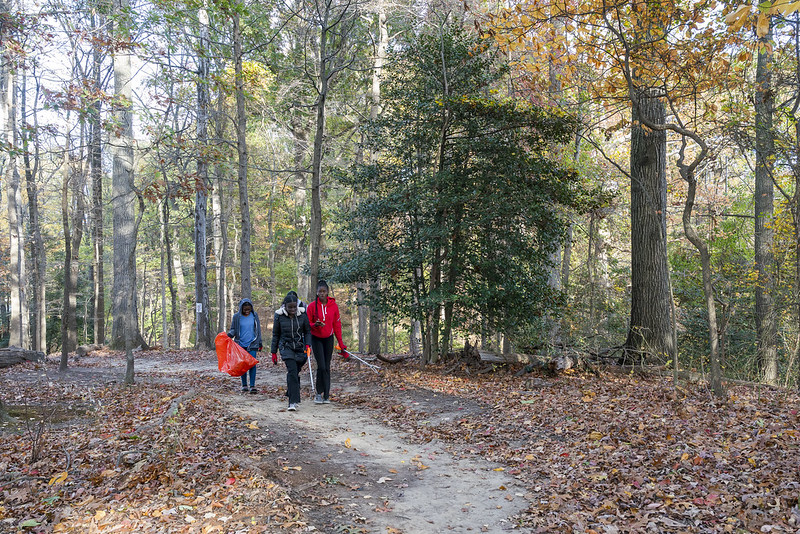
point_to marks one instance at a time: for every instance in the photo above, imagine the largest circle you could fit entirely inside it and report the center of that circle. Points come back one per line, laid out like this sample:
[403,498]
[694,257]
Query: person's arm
[258,331]
[232,330]
[311,313]
[337,327]
[276,334]
[307,330]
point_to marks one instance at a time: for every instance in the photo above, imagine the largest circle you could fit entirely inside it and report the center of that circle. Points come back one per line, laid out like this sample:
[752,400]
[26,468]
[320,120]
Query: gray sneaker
[245,389]
[292,407]
[326,401]
[318,399]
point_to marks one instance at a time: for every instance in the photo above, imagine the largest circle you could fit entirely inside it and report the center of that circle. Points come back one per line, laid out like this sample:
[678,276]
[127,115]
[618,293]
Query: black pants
[294,364]
[323,353]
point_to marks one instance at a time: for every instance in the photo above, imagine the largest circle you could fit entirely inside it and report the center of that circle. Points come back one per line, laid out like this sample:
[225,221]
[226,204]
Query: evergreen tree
[463,206]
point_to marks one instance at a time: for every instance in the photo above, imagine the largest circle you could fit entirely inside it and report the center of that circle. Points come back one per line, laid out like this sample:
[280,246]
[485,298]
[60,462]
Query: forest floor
[403,451]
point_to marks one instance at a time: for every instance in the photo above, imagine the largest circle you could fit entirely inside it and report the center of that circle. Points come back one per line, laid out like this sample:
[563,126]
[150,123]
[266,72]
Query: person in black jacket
[246,331]
[291,334]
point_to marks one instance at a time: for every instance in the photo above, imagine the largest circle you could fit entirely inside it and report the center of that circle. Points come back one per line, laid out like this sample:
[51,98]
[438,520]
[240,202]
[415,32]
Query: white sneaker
[318,399]
[292,407]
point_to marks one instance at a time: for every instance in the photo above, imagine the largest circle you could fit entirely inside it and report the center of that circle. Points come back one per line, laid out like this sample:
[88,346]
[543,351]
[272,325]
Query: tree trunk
[369,319]
[766,328]
[273,278]
[363,318]
[565,262]
[708,287]
[220,212]
[300,138]
[124,333]
[18,322]
[650,329]
[38,256]
[241,144]
[186,317]
[96,166]
[315,236]
[164,276]
[203,332]
[374,322]
[73,236]
[175,308]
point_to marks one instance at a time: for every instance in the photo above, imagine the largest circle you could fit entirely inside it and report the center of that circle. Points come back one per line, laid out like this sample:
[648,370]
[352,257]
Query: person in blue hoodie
[246,331]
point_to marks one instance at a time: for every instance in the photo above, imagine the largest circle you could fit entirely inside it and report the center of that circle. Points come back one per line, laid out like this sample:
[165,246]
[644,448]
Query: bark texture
[766,328]
[650,328]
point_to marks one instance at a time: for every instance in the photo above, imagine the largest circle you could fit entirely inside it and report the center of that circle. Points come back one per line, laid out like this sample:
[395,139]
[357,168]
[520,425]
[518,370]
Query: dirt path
[357,474]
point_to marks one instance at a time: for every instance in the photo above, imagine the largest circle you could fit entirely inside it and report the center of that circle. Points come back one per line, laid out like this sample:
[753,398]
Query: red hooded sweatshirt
[328,314]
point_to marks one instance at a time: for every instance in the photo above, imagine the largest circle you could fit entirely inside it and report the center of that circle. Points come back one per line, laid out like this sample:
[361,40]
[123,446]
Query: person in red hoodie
[323,315]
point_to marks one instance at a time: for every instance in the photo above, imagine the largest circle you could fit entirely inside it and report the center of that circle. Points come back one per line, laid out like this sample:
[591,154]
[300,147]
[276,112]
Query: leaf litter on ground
[597,453]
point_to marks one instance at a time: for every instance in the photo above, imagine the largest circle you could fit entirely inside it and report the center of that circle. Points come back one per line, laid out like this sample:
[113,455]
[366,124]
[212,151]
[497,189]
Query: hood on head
[246,301]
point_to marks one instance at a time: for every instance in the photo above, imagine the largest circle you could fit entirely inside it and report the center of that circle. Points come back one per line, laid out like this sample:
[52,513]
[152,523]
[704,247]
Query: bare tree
[18,327]
[203,340]
[333,23]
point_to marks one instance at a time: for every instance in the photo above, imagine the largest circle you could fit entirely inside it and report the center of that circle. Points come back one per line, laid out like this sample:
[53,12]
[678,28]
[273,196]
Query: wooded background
[617,178]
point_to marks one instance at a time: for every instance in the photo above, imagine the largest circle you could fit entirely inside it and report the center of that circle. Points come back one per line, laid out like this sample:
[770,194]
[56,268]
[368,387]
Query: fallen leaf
[58,479]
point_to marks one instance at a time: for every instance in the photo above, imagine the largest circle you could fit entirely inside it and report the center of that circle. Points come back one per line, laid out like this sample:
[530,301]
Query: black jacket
[292,333]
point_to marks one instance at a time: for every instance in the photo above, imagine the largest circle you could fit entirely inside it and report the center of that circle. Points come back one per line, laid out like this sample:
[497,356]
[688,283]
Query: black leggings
[323,353]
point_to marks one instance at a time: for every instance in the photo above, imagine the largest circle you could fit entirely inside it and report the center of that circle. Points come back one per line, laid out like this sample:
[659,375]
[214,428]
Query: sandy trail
[356,474]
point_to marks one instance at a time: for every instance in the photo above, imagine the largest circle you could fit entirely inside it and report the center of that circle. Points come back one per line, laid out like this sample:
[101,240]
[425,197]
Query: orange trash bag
[231,358]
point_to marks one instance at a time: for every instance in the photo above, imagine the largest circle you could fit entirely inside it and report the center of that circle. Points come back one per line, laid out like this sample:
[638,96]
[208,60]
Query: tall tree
[125,329]
[31,155]
[650,330]
[380,50]
[72,213]
[203,331]
[220,212]
[18,302]
[96,170]
[241,145]
[334,22]
[766,326]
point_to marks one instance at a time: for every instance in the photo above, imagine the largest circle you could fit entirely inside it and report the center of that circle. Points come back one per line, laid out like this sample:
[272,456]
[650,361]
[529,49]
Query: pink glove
[274,358]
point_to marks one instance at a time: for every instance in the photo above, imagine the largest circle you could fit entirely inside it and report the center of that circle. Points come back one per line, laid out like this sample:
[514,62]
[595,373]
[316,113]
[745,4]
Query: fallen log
[14,355]
[84,350]
[386,359]
[559,362]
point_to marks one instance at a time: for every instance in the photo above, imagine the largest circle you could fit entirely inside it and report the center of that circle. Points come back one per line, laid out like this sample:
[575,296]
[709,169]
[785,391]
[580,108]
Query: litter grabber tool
[347,354]
[310,373]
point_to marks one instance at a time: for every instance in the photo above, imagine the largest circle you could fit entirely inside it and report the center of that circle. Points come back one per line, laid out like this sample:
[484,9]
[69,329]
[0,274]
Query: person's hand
[318,323]
[274,359]
[343,352]
[308,349]
[260,347]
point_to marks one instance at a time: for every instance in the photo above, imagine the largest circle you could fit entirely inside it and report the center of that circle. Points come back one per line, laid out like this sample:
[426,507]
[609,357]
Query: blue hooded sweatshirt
[235,333]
